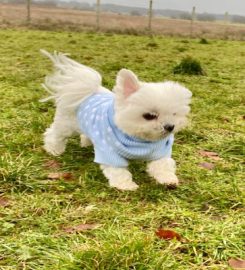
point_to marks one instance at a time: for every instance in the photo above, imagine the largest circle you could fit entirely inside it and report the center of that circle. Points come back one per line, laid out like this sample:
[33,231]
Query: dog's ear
[127,83]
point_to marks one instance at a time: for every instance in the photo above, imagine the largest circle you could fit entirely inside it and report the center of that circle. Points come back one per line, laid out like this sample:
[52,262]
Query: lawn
[40,216]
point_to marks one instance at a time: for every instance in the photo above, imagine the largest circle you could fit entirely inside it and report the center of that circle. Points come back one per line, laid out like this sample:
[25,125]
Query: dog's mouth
[156,134]
[165,135]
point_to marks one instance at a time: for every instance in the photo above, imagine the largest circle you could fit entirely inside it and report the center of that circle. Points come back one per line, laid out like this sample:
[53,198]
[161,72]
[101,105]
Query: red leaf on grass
[81,228]
[60,175]
[52,164]
[207,165]
[167,234]
[237,263]
[4,201]
[212,155]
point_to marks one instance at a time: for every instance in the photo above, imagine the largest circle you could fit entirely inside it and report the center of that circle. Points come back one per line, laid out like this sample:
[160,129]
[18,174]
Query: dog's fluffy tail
[71,82]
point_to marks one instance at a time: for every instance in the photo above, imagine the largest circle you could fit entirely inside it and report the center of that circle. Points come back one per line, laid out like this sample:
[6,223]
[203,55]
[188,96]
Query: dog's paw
[54,149]
[169,179]
[84,141]
[124,185]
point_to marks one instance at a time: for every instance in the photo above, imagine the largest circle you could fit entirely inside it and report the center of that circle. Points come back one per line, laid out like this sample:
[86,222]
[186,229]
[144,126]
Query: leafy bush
[189,66]
[203,41]
[152,44]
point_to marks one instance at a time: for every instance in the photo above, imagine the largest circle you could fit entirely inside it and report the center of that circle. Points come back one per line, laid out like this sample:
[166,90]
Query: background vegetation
[119,19]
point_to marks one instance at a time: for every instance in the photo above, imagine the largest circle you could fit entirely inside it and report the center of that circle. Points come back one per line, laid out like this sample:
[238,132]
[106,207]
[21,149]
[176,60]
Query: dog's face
[149,111]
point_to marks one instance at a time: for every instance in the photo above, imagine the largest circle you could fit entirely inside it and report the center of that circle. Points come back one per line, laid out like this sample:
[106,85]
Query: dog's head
[149,111]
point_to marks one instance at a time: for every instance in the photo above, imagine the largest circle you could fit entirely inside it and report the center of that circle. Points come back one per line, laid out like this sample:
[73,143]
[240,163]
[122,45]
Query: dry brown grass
[53,18]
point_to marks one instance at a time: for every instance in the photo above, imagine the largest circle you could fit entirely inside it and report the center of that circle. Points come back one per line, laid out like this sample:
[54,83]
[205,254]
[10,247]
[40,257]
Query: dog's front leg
[119,178]
[163,170]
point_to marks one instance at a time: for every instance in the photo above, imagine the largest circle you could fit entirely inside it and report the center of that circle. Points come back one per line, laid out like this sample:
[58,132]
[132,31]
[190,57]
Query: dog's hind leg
[84,141]
[55,137]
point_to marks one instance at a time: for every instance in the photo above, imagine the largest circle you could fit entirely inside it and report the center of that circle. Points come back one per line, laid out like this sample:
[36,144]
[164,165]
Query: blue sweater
[113,147]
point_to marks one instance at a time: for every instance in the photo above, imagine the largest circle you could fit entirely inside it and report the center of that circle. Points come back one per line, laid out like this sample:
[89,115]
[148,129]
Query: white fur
[169,99]
[84,141]
[119,178]
[163,170]
[71,82]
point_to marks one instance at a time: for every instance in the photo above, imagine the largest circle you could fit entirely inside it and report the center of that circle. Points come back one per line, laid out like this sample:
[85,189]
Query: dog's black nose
[169,128]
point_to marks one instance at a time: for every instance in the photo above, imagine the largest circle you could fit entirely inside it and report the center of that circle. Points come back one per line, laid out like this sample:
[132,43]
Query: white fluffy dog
[135,121]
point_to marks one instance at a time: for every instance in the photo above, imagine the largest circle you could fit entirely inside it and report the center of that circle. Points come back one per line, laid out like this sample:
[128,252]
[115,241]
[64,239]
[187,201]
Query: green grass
[206,209]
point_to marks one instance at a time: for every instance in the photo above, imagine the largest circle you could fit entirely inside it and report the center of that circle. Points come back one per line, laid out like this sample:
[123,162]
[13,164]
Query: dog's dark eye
[174,113]
[150,116]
